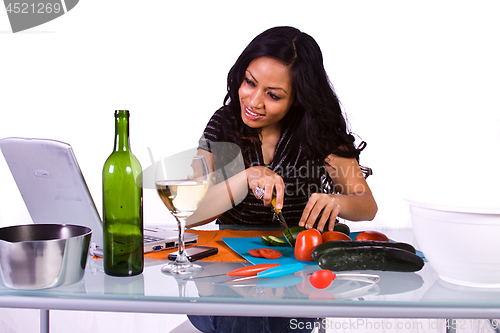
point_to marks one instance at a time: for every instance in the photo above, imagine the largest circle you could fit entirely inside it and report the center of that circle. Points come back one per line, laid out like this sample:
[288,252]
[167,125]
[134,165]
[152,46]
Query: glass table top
[406,295]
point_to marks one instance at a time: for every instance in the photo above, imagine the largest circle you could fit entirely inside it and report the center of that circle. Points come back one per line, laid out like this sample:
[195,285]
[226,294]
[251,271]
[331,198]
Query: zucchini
[371,258]
[326,247]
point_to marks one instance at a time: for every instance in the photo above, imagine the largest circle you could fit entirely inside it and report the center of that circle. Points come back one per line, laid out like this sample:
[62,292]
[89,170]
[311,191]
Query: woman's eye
[273,96]
[249,82]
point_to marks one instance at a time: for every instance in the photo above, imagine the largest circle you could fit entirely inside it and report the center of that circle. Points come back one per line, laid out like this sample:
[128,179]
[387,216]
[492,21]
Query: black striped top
[300,175]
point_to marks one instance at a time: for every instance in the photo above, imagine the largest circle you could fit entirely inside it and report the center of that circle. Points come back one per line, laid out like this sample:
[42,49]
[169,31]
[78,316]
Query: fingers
[265,183]
[333,218]
[268,194]
[280,195]
[320,204]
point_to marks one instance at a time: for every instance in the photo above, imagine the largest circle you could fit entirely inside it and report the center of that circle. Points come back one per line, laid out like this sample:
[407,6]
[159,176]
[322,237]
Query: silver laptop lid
[51,183]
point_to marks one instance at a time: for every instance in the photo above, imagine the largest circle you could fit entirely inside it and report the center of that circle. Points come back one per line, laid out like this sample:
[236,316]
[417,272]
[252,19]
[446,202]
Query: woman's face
[266,93]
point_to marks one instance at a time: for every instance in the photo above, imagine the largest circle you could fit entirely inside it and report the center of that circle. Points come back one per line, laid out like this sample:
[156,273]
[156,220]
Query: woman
[282,113]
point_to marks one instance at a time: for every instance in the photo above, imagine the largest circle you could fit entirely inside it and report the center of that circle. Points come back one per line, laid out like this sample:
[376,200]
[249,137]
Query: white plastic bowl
[459,236]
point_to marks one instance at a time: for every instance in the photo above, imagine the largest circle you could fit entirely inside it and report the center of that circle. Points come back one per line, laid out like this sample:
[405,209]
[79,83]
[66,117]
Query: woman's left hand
[320,203]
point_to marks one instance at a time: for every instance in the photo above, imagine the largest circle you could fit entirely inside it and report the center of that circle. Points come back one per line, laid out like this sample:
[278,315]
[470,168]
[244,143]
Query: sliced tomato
[255,253]
[321,279]
[334,235]
[372,235]
[306,241]
[270,253]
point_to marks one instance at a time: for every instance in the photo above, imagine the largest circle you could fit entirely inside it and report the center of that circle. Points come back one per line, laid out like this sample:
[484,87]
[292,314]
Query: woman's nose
[256,100]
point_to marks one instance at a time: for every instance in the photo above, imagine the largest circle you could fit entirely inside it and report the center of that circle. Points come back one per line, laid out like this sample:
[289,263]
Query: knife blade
[286,232]
[277,212]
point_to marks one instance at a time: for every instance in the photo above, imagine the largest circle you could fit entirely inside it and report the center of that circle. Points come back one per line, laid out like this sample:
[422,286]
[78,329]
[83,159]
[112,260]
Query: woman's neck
[269,137]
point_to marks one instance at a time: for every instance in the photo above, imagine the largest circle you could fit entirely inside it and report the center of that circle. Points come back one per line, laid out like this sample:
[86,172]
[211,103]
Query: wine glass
[182,182]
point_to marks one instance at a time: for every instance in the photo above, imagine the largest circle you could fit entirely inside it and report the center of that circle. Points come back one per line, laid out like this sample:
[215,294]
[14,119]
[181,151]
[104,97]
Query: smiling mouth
[252,115]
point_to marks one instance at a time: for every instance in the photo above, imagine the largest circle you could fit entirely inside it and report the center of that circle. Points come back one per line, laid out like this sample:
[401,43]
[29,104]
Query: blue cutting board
[241,245]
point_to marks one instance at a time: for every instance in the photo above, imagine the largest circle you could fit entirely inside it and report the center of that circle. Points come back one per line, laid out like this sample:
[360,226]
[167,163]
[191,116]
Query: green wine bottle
[122,205]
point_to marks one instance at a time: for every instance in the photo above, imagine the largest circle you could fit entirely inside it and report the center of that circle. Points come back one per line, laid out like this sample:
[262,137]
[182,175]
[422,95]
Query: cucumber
[273,241]
[295,230]
[371,258]
[265,240]
[326,247]
[277,241]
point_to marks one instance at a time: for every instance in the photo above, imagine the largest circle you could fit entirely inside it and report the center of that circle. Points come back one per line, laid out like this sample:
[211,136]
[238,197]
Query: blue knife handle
[281,270]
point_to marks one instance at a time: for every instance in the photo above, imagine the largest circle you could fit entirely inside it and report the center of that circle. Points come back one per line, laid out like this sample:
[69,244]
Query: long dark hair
[316,115]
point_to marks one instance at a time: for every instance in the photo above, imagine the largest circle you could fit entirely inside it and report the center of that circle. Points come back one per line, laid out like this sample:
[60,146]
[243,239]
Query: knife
[243,271]
[277,212]
[273,272]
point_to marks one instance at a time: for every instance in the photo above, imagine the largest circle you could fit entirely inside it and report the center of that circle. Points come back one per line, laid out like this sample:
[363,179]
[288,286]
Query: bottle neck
[122,140]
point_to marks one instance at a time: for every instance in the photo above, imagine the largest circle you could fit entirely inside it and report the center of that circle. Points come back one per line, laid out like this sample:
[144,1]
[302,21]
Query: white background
[419,81]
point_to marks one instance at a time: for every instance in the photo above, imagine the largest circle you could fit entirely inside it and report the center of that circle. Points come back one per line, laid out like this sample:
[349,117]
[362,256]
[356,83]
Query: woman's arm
[220,197]
[354,201]
[227,194]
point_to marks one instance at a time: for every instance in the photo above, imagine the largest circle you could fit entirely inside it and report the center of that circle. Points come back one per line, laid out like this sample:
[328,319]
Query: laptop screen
[51,183]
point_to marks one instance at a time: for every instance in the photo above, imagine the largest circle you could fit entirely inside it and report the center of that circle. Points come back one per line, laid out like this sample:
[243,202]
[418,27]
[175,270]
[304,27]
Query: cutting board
[241,245]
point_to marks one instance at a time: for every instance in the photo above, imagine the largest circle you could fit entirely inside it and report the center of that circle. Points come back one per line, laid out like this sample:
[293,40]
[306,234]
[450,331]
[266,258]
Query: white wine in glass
[182,182]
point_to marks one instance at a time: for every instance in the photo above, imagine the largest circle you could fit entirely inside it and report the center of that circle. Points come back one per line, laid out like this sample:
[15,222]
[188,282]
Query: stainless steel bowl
[39,256]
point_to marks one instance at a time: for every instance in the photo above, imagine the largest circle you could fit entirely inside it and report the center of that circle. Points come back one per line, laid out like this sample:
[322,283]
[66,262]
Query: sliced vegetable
[371,257]
[332,245]
[289,237]
[276,241]
[255,253]
[265,240]
[306,241]
[273,241]
[270,253]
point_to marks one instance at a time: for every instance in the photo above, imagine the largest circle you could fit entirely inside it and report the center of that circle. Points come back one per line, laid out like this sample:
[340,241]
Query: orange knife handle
[251,270]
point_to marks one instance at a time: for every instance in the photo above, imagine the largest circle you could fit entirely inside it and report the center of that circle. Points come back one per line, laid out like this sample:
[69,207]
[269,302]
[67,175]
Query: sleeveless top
[301,176]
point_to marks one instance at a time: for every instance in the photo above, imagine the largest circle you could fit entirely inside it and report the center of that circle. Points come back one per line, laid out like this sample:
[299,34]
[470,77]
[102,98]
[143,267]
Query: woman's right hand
[270,181]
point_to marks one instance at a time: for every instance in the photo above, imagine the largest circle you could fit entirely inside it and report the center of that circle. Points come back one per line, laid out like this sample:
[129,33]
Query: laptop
[54,191]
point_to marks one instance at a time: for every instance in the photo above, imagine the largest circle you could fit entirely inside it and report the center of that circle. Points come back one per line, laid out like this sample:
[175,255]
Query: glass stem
[181,256]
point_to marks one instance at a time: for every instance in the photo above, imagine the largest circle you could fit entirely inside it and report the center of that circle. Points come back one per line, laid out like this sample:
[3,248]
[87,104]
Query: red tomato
[334,235]
[321,279]
[372,235]
[270,253]
[255,253]
[306,241]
